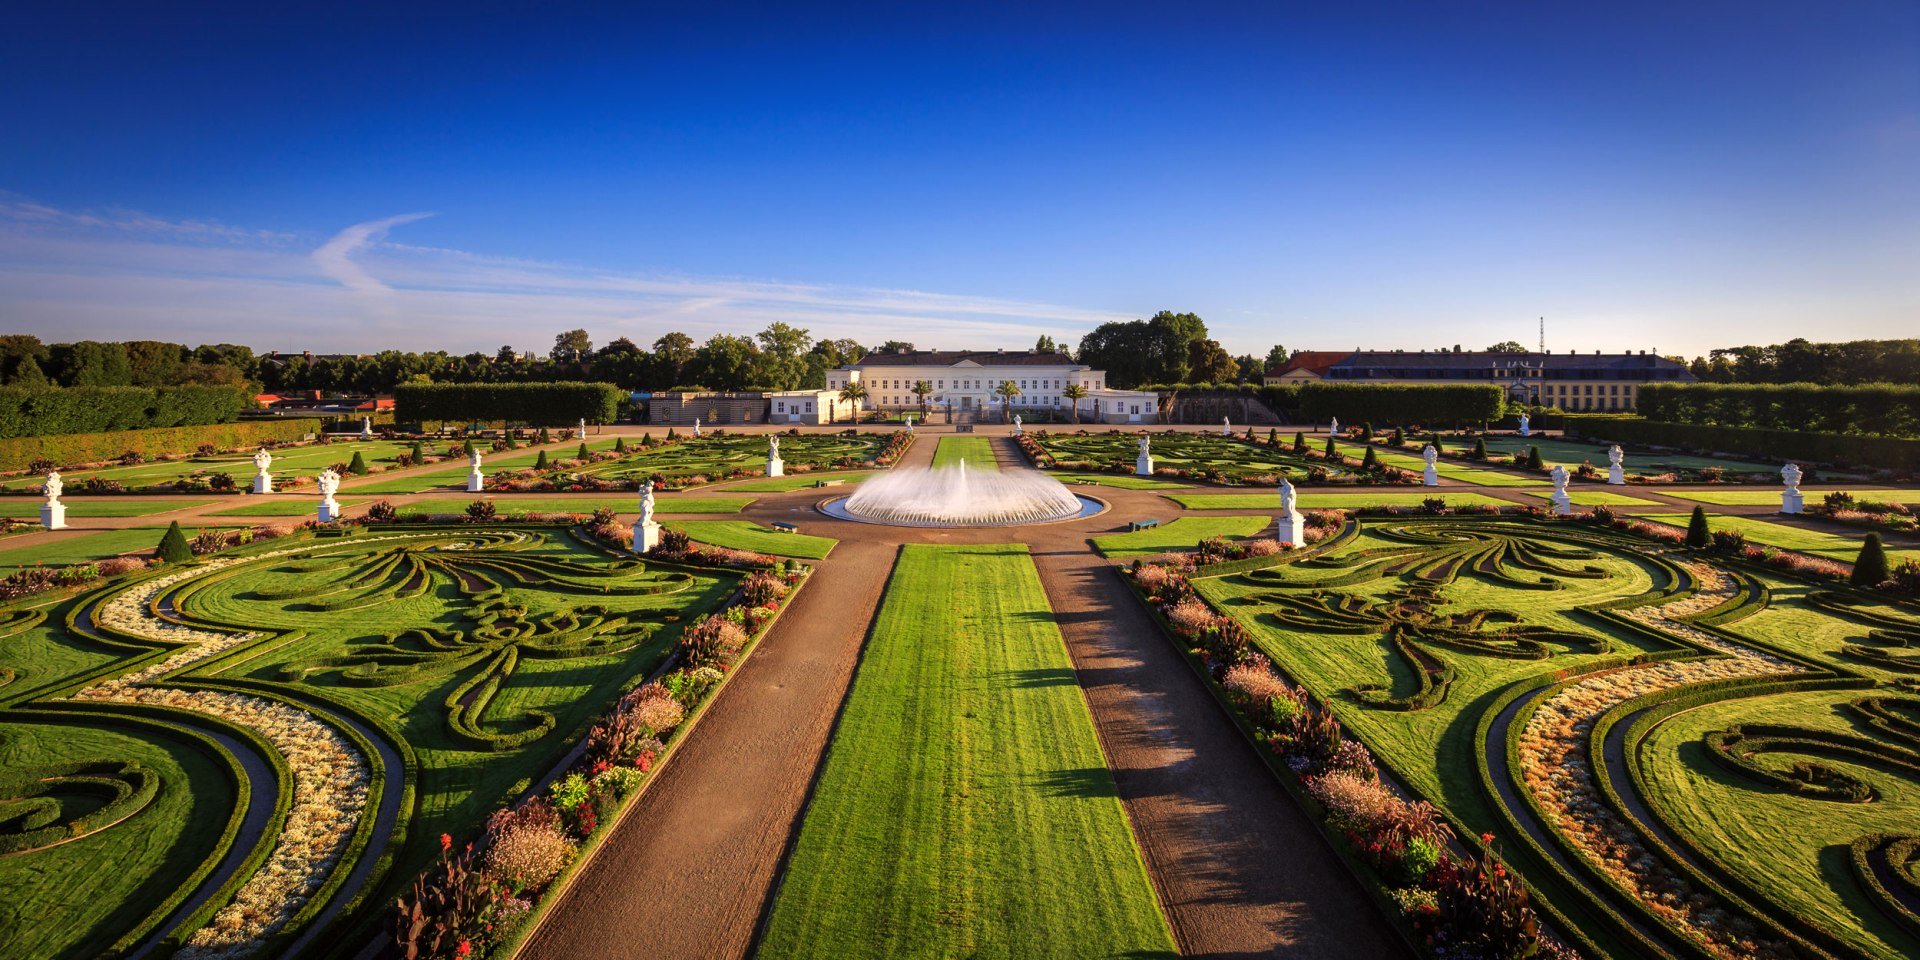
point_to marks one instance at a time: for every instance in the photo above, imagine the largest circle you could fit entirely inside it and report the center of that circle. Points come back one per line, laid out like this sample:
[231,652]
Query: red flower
[464,950]
[1486,838]
[446,842]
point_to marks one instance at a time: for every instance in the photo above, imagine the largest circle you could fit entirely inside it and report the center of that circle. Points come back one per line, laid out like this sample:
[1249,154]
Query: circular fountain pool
[959,497]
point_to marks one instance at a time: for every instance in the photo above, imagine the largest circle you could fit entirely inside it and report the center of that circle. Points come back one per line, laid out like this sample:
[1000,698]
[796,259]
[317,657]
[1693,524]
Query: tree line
[1802,361]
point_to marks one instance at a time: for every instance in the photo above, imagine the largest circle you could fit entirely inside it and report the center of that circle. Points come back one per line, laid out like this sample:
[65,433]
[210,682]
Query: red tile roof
[1316,362]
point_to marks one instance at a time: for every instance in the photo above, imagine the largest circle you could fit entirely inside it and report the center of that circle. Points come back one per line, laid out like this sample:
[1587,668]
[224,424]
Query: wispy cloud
[68,275]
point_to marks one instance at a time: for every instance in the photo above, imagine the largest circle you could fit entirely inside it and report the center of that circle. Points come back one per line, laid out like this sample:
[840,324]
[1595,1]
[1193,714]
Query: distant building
[1570,381]
[963,382]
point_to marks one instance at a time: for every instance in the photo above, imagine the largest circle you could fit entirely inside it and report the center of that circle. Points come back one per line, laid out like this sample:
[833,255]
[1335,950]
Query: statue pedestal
[1562,504]
[1525,430]
[646,536]
[1431,478]
[776,467]
[476,481]
[1143,467]
[329,511]
[1616,476]
[1792,502]
[53,515]
[1291,530]
[263,483]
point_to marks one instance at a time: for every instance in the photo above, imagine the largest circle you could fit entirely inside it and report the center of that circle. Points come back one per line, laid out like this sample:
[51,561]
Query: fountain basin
[958,497]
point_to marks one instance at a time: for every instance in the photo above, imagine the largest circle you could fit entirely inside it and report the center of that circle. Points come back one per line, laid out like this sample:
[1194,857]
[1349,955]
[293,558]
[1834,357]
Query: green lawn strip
[965,808]
[290,505]
[714,456]
[1770,496]
[1450,469]
[1311,499]
[86,507]
[797,481]
[303,460]
[1574,452]
[976,451]
[1123,481]
[1230,457]
[1180,534]
[83,546]
[742,535]
[628,504]
[1584,497]
[1835,546]
[1781,843]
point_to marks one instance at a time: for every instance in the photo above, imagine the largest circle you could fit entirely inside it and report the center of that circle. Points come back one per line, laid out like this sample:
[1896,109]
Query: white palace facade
[964,383]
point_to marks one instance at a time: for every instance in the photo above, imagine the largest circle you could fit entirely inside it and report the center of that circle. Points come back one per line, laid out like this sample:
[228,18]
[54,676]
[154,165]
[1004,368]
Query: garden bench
[1139,525]
[784,527]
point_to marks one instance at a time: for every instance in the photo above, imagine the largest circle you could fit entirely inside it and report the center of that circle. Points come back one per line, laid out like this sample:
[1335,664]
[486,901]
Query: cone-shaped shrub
[466,447]
[1332,452]
[1366,431]
[359,465]
[1398,437]
[1697,533]
[173,546]
[1273,436]
[620,445]
[1370,461]
[582,453]
[541,463]
[1534,460]
[419,453]
[1870,570]
[646,439]
[1479,448]
[513,440]
[545,437]
[1299,441]
[671,435]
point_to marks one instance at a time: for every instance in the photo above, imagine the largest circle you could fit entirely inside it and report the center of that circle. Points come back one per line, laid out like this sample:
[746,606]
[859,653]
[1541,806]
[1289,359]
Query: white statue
[262,479]
[1562,504]
[366,428]
[580,432]
[1616,472]
[1016,424]
[1226,426]
[1791,500]
[1291,525]
[53,513]
[775,468]
[909,423]
[1526,429]
[696,426]
[1143,465]
[646,532]
[1431,477]
[476,481]
[1333,429]
[329,483]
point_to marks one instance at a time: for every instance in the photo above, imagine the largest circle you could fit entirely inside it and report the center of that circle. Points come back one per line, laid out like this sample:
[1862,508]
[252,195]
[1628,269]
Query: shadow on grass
[1085,782]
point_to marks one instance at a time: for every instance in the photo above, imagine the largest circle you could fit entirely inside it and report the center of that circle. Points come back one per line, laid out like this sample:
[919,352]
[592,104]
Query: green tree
[571,347]
[1075,393]
[854,394]
[91,363]
[1208,362]
[782,355]
[1508,346]
[26,373]
[1277,357]
[671,355]
[1870,569]
[1006,391]
[173,545]
[725,362]
[894,346]
[1698,536]
[921,390]
[152,363]
[1045,345]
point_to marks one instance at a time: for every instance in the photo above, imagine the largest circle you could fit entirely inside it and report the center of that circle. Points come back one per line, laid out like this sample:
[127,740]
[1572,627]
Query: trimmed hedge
[1886,453]
[541,404]
[1873,409]
[1401,403]
[39,412]
[18,453]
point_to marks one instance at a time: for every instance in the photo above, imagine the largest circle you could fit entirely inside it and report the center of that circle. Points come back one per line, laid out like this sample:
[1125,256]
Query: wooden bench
[828,483]
[1139,525]
[784,527]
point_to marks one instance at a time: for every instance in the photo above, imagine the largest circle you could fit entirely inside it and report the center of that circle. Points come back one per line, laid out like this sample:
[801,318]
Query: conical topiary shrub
[358,467]
[544,436]
[1299,441]
[1697,533]
[418,453]
[173,546]
[1333,453]
[1870,570]
[466,448]
[541,463]
[1534,460]
[513,440]
[1273,436]
[1479,448]
[582,453]
[671,435]
[620,445]
[1399,439]
[1370,461]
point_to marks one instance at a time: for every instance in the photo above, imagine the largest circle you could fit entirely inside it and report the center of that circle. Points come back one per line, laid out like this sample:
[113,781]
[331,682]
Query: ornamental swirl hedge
[41,411]
[540,404]
[1886,453]
[1401,403]
[1873,409]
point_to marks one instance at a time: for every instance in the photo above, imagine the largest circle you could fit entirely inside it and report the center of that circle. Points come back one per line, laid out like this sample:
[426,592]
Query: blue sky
[1671,176]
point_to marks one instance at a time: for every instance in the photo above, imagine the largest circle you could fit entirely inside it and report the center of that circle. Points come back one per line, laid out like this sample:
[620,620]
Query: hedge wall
[1886,453]
[539,404]
[1428,404]
[38,411]
[17,454]
[1873,409]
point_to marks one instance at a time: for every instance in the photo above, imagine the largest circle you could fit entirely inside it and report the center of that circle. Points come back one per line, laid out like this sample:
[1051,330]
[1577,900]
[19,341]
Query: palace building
[965,383]
[1569,381]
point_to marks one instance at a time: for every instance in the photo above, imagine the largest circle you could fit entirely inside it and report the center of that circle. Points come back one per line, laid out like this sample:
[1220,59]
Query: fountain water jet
[958,497]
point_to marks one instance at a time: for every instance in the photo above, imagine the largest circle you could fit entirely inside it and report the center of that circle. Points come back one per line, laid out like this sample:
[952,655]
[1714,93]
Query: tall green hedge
[1401,403]
[1872,409]
[45,411]
[19,453]
[1885,453]
[541,404]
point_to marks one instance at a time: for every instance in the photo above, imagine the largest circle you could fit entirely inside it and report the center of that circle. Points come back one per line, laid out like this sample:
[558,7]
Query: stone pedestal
[1562,504]
[53,515]
[646,536]
[476,481]
[1430,477]
[1292,529]
[776,467]
[329,511]
[263,482]
[1143,467]
[1617,476]
[1792,502]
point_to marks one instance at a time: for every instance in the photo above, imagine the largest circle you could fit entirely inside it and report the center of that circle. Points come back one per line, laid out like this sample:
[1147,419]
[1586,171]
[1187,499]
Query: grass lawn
[965,808]
[87,507]
[798,481]
[1450,469]
[741,535]
[1123,481]
[1770,496]
[1572,453]
[1311,498]
[1180,534]
[79,546]
[292,461]
[627,504]
[1229,457]
[714,456]
[1820,543]
[292,505]
[976,451]
[1586,497]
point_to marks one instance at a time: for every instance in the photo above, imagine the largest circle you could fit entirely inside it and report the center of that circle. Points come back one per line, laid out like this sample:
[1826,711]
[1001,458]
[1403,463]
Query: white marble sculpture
[366,428]
[1431,477]
[580,431]
[775,467]
[1143,465]
[1333,429]
[1790,498]
[53,513]
[1226,426]
[696,426]
[1562,504]
[646,531]
[262,478]
[1016,424]
[1291,525]
[1616,472]
[909,423]
[329,483]
[1526,426]
[476,481]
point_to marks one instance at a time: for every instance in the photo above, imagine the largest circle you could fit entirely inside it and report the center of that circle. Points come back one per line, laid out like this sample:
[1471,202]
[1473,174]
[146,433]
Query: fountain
[958,497]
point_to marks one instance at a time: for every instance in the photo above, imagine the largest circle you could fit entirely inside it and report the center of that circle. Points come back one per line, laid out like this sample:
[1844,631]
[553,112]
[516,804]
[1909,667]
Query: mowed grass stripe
[965,808]
[1311,499]
[742,535]
[976,451]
